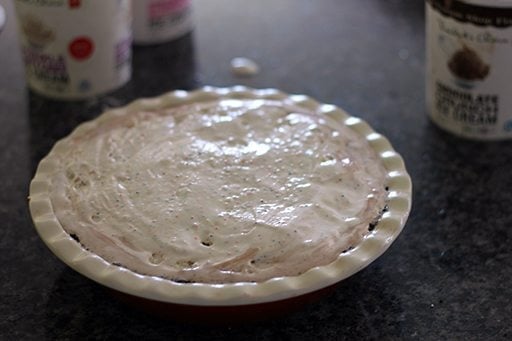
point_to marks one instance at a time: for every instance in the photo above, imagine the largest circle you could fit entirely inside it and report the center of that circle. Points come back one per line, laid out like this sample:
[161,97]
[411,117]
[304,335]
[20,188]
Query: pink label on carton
[165,7]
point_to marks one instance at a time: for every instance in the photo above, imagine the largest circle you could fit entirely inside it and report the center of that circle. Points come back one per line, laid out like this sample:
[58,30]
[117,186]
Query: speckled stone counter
[447,277]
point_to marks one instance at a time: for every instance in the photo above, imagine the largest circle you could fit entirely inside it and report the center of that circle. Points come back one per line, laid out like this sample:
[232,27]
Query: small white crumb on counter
[244,67]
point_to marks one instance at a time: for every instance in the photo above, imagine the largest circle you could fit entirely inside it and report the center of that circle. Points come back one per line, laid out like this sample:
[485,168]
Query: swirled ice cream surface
[218,192]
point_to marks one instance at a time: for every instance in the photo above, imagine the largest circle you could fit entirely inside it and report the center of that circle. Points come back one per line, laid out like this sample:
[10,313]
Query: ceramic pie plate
[246,299]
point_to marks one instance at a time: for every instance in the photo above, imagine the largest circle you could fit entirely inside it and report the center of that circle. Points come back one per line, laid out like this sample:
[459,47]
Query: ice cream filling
[218,192]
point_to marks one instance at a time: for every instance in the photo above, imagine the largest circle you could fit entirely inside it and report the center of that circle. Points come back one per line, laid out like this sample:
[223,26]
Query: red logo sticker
[81,48]
[74,3]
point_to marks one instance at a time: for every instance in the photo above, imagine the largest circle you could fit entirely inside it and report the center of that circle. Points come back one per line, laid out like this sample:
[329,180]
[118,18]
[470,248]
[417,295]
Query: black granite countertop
[447,277]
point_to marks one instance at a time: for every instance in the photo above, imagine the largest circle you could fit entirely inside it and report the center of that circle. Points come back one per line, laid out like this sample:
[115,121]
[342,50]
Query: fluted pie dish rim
[72,253]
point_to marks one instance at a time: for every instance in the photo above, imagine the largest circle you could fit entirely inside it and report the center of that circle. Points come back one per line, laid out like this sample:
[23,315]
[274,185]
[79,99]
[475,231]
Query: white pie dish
[240,294]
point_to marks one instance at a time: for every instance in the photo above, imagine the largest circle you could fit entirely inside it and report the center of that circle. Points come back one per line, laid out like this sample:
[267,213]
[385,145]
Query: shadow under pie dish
[220,198]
